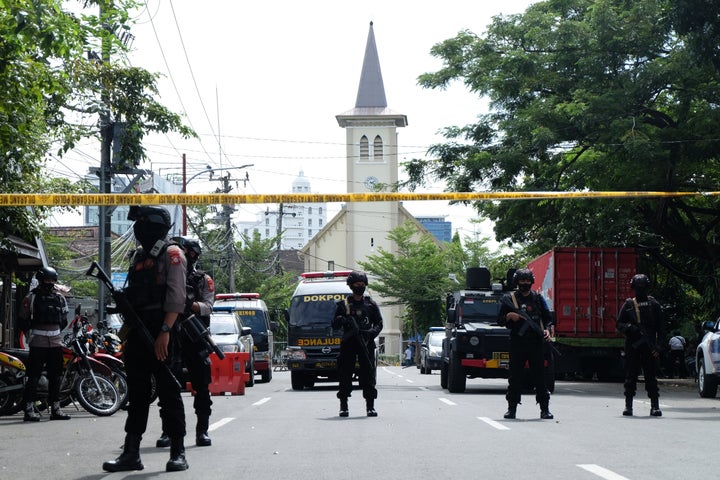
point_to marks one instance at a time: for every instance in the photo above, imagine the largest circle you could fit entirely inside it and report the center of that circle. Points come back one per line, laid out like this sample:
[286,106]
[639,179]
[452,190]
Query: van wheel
[267,375]
[297,380]
[444,375]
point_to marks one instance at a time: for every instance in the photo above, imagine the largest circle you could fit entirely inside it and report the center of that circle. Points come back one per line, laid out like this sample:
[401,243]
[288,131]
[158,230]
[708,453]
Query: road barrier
[228,375]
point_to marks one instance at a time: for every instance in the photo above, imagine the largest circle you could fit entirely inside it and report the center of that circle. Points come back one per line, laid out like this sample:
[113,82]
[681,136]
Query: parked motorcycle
[84,379]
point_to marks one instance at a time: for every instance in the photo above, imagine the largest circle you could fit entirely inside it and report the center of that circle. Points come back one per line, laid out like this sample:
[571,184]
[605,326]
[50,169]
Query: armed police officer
[200,300]
[157,290]
[641,321]
[359,317]
[44,315]
[527,316]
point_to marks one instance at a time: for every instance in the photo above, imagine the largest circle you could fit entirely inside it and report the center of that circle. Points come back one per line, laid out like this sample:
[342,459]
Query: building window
[309,210]
[319,210]
[320,223]
[364,149]
[309,232]
[267,221]
[309,222]
[378,149]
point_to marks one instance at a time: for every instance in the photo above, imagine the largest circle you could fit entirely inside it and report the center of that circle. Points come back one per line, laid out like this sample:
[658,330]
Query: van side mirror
[709,326]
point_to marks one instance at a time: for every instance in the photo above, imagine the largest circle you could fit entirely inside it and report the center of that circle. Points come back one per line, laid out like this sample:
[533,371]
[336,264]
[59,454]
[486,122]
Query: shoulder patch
[175,255]
[210,283]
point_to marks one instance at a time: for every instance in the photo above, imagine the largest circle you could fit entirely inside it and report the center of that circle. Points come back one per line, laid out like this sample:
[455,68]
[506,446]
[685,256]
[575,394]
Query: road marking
[409,381]
[220,423]
[445,400]
[493,423]
[261,401]
[602,472]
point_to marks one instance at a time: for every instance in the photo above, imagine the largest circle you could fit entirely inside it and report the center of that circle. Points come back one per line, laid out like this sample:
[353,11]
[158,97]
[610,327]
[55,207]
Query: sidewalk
[690,383]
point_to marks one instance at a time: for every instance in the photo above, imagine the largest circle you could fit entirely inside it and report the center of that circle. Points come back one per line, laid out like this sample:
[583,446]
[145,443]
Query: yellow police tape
[58,199]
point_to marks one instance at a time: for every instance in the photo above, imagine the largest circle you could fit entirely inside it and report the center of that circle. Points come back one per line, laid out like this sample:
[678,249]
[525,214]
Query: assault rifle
[527,323]
[191,326]
[353,329]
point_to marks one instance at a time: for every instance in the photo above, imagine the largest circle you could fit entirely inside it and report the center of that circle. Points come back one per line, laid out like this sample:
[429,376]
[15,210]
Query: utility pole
[226,216]
[280,212]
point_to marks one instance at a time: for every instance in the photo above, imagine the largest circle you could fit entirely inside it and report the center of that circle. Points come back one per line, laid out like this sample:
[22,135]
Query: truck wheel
[443,375]
[456,376]
[707,384]
[267,375]
[297,380]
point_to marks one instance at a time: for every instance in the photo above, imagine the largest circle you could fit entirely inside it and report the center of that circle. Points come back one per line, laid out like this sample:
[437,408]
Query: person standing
[359,317]
[641,321]
[201,297]
[677,354]
[408,355]
[157,290]
[44,314]
[527,316]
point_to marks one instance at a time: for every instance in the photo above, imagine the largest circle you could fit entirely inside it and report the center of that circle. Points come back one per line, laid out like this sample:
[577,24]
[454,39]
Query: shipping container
[585,287]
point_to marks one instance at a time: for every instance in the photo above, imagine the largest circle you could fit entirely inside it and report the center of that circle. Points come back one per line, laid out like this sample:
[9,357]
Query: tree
[52,80]
[416,277]
[590,95]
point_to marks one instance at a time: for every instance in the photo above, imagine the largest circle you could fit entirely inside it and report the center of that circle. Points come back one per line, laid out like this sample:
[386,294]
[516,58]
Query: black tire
[297,380]
[10,401]
[707,384]
[250,368]
[119,379]
[266,375]
[444,375]
[456,376]
[103,402]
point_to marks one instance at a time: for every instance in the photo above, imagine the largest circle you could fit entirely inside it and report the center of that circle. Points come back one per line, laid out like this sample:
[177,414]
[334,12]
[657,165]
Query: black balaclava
[641,292]
[148,234]
[358,290]
[524,287]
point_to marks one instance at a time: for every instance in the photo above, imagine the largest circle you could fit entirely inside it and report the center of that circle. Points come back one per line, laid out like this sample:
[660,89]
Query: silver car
[230,337]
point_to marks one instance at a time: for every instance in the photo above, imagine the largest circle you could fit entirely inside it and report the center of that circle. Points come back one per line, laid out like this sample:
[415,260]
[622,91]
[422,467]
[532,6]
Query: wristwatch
[164,327]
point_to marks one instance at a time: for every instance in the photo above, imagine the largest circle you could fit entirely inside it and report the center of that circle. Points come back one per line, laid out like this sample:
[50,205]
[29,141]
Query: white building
[299,221]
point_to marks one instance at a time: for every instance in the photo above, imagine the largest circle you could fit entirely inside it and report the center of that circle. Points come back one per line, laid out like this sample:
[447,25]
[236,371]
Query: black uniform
[361,322]
[45,312]
[643,338]
[526,344]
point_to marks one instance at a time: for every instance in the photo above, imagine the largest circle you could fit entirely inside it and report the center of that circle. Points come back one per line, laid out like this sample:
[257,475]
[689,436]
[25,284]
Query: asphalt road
[273,432]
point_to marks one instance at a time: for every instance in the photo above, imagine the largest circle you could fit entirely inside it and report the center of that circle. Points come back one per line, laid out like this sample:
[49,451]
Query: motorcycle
[84,379]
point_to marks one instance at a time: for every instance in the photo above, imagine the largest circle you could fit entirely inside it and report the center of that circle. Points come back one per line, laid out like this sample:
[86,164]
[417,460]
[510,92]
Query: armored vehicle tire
[456,376]
[297,380]
[707,384]
[444,375]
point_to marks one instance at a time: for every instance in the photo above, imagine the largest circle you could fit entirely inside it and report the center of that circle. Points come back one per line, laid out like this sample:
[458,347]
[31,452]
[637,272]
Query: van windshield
[479,310]
[317,309]
[255,319]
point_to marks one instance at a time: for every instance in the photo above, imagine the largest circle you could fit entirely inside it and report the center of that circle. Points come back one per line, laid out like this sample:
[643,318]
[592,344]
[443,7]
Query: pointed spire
[371,92]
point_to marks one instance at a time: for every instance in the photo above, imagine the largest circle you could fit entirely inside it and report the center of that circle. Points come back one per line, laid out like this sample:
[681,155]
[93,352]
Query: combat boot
[344,407]
[201,432]
[511,411]
[370,407]
[56,413]
[31,415]
[628,406]
[655,407]
[177,462]
[129,459]
[163,441]
[545,410]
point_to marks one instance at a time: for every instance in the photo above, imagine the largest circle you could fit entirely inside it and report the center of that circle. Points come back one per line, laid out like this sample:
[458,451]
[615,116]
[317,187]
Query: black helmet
[189,243]
[46,273]
[357,276]
[640,281]
[523,274]
[149,214]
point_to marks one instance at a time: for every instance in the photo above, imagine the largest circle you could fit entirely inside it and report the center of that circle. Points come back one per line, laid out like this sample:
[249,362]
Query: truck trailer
[586,287]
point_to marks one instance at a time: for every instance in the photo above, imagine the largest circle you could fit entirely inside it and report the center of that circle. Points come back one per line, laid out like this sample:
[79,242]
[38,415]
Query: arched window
[364,149]
[309,210]
[319,210]
[378,149]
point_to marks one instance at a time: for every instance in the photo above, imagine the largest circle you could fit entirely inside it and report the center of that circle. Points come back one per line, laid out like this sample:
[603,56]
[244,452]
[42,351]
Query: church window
[378,149]
[364,149]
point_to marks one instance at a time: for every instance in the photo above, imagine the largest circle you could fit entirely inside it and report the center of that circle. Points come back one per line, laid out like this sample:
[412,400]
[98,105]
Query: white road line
[261,401]
[445,400]
[493,423]
[220,423]
[409,381]
[602,472]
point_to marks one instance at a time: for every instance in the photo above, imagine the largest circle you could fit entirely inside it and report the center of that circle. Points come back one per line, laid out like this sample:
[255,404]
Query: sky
[262,82]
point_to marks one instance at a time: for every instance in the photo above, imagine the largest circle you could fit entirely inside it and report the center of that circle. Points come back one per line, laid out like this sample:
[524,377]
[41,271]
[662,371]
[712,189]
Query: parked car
[431,350]
[231,337]
[707,360]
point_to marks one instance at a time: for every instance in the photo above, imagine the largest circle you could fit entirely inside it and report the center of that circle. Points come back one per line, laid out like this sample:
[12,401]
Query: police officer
[44,314]
[201,297]
[359,317]
[641,321]
[527,316]
[156,289]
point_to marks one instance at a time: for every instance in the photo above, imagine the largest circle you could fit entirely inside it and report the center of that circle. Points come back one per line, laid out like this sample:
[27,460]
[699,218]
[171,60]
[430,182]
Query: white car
[708,360]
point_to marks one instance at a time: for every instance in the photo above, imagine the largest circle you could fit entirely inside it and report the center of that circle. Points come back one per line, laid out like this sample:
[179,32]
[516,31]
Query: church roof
[371,102]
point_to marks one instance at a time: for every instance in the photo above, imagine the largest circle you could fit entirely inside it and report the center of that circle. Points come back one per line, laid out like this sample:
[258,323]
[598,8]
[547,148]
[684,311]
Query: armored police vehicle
[313,345]
[251,311]
[474,345]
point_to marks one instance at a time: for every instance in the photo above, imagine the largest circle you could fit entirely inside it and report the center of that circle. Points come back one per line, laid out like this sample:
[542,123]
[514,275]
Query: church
[359,229]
